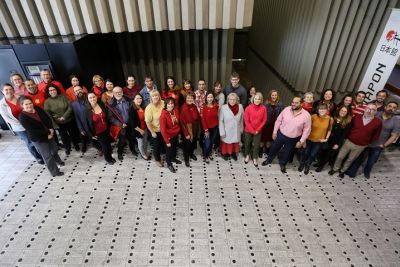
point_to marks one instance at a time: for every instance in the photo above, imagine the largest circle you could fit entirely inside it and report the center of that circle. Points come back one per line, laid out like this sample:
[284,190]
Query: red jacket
[190,118]
[363,135]
[209,118]
[254,118]
[42,87]
[169,128]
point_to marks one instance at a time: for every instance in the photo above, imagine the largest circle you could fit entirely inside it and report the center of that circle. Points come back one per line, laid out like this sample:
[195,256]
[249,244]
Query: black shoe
[187,164]
[319,169]
[120,157]
[171,168]
[260,153]
[283,168]
[62,163]
[226,157]
[206,160]
[234,156]
[367,176]
[306,170]
[266,162]
[111,162]
[68,152]
[83,148]
[77,148]
[59,174]
[193,157]
[331,172]
[134,152]
[341,174]
[40,161]
[177,161]
[301,167]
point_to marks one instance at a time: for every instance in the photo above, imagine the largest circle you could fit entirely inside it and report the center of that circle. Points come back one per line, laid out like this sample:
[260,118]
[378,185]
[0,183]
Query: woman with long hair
[138,125]
[108,94]
[328,98]
[98,128]
[70,91]
[209,120]
[172,90]
[219,95]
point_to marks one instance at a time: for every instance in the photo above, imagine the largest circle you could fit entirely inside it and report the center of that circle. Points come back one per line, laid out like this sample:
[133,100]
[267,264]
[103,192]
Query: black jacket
[134,122]
[89,121]
[37,131]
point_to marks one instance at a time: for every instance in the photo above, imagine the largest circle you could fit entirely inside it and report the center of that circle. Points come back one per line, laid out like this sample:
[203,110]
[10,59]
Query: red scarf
[234,108]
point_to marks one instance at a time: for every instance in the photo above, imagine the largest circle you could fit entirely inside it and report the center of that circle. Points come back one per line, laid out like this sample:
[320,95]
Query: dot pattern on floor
[225,213]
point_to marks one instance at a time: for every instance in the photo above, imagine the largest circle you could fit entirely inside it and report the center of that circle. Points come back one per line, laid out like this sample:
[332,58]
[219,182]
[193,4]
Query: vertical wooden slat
[117,15]
[32,17]
[146,15]
[174,15]
[132,15]
[60,16]
[215,14]
[188,14]
[103,14]
[89,16]
[178,61]
[19,18]
[77,22]
[160,15]
[50,25]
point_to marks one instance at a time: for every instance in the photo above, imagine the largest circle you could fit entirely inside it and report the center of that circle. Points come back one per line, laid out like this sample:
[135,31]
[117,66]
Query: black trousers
[170,152]
[103,142]
[158,144]
[189,147]
[68,133]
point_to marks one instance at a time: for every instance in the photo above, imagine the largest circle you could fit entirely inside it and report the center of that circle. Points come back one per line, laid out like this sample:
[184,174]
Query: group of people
[343,135]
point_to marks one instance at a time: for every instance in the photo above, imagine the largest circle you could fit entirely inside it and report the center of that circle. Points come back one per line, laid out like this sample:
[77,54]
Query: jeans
[310,152]
[24,137]
[288,145]
[142,143]
[371,154]
[209,141]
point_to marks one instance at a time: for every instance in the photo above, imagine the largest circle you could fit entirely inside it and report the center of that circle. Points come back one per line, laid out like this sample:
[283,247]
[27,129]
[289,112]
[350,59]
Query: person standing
[328,98]
[365,129]
[32,91]
[131,88]
[381,97]
[39,127]
[152,115]
[138,125]
[98,86]
[118,116]
[10,110]
[390,132]
[231,127]
[308,101]
[169,127]
[69,93]
[79,107]
[17,81]
[98,130]
[321,127]
[292,128]
[218,94]
[358,106]
[149,87]
[274,108]
[200,95]
[59,109]
[237,88]
[190,126]
[108,94]
[255,117]
[47,78]
[209,121]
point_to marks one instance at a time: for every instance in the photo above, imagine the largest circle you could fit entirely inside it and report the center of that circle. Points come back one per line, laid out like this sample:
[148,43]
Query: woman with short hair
[40,130]
[231,126]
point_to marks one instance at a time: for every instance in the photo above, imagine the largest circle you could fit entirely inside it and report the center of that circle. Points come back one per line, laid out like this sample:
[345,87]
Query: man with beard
[390,132]
[292,128]
[380,100]
[364,130]
[38,97]
[79,107]
[236,87]
[46,77]
[118,110]
[10,110]
[358,106]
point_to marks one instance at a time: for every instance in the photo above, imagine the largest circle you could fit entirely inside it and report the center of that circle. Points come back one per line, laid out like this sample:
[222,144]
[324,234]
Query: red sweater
[131,92]
[364,135]
[38,98]
[209,118]
[189,115]
[254,118]
[169,128]
[42,86]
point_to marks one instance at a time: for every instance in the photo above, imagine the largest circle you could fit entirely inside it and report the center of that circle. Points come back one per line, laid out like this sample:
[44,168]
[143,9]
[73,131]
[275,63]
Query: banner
[384,58]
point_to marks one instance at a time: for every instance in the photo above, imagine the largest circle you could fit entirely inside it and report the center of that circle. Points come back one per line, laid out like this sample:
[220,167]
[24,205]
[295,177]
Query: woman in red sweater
[169,127]
[172,90]
[209,120]
[190,125]
[255,117]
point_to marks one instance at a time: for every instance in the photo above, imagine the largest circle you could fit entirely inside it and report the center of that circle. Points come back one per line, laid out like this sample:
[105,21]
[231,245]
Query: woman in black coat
[39,127]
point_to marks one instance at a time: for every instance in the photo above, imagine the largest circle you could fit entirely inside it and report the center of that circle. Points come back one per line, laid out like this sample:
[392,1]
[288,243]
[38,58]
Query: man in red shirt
[364,130]
[45,75]
[38,97]
[358,106]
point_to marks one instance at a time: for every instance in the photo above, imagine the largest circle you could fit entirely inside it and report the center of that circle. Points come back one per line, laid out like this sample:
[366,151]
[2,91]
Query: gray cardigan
[230,126]
[12,122]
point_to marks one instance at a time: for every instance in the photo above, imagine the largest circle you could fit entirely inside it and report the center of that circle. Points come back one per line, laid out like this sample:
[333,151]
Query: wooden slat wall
[192,55]
[318,44]
[40,18]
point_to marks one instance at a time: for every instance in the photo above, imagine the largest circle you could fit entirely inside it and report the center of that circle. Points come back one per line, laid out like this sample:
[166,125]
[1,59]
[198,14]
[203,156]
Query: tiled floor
[221,214]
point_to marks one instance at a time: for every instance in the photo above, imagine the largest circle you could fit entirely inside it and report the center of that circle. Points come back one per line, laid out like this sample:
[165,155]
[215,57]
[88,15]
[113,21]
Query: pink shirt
[292,125]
